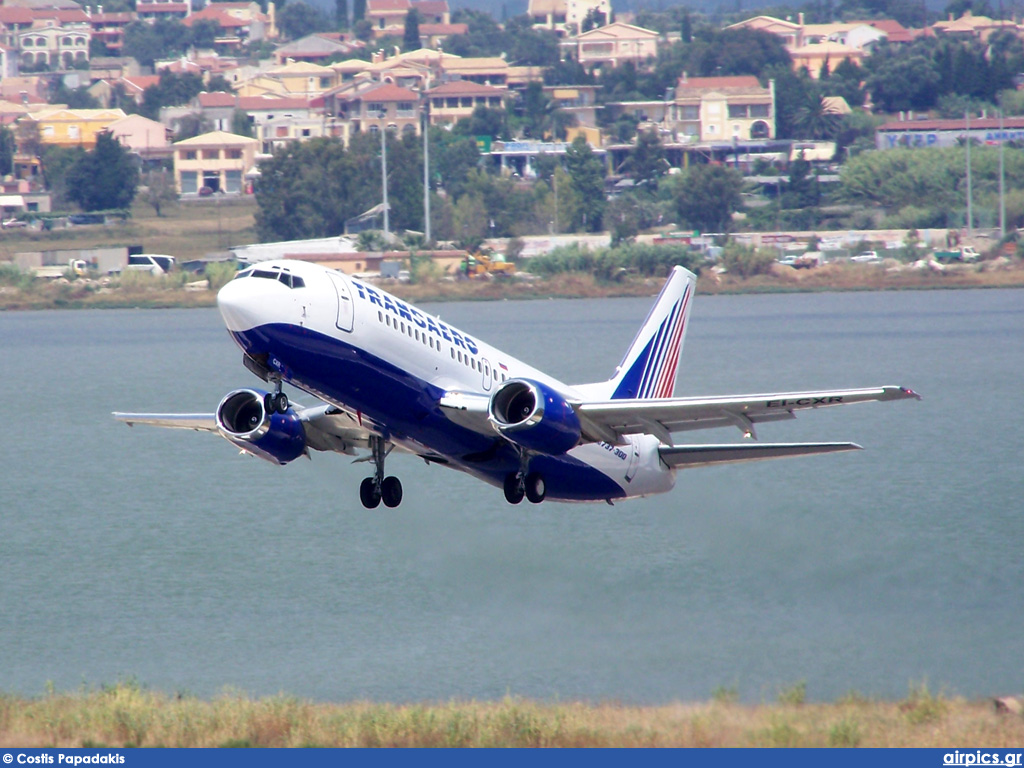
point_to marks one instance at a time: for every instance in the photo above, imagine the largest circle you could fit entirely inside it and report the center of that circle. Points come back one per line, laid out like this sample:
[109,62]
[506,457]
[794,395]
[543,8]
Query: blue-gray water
[168,557]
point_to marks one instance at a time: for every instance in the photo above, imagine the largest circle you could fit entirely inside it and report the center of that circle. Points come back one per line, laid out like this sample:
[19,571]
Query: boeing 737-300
[392,377]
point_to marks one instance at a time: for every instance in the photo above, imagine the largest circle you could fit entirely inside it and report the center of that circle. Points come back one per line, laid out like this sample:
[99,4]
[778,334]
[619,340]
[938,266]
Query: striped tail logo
[653,373]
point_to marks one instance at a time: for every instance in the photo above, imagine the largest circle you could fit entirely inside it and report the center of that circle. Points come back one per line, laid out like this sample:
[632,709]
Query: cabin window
[380,316]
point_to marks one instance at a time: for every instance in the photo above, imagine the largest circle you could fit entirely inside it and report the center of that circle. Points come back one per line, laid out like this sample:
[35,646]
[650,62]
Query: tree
[309,189]
[593,20]
[586,171]
[104,178]
[299,19]
[358,10]
[242,123]
[411,35]
[8,146]
[163,39]
[173,90]
[646,162]
[78,98]
[341,14]
[814,120]
[159,189]
[192,125]
[706,196]
[484,121]
[204,33]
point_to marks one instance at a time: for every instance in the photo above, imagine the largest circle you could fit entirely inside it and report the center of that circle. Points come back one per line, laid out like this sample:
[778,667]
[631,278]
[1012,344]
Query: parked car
[865,256]
[155,263]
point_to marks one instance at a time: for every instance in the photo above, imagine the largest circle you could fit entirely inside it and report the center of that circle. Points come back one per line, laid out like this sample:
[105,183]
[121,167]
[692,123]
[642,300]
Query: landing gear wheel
[514,490]
[369,493]
[281,402]
[391,491]
[536,488]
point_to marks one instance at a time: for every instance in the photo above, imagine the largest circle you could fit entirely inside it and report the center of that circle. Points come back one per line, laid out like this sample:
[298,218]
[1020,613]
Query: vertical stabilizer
[649,368]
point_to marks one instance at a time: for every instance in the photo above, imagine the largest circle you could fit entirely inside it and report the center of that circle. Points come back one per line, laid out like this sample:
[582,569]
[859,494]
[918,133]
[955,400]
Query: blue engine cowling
[243,419]
[534,416]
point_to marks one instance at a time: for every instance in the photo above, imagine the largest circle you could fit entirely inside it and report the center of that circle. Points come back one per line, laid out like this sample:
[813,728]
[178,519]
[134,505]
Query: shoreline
[158,294]
[129,715]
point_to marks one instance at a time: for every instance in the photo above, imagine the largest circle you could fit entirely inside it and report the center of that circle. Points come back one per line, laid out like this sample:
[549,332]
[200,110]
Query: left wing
[327,428]
[684,456]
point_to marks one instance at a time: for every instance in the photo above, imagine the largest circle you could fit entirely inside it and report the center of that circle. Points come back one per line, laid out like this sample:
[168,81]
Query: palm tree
[816,119]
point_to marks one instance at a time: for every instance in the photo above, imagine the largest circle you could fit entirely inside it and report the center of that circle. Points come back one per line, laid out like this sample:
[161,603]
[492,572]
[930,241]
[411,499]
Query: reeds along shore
[129,715]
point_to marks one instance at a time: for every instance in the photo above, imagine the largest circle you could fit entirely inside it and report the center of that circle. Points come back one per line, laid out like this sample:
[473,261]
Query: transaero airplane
[390,376]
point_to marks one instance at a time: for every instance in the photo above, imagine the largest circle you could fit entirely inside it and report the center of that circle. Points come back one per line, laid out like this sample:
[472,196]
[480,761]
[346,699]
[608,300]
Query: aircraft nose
[239,304]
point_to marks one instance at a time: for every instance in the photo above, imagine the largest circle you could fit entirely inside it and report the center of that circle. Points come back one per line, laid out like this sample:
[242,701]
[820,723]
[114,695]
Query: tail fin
[649,368]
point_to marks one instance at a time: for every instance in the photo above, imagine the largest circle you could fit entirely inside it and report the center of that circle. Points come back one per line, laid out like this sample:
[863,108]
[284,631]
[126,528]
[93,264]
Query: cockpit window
[281,275]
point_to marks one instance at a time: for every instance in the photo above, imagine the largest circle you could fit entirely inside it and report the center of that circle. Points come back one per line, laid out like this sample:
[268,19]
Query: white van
[154,263]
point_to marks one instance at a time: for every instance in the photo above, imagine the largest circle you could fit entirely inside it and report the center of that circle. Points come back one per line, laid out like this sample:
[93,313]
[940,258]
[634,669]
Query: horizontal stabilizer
[684,456]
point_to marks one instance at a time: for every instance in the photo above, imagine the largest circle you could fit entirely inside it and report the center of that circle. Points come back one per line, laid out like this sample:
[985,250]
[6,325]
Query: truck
[77,267]
[966,253]
[482,265]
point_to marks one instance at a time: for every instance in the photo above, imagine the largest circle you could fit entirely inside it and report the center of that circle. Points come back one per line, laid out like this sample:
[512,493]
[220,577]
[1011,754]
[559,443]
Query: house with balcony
[151,10]
[51,44]
[108,28]
[387,17]
[613,45]
[452,101]
[715,109]
[217,160]
[385,106]
[63,127]
[565,16]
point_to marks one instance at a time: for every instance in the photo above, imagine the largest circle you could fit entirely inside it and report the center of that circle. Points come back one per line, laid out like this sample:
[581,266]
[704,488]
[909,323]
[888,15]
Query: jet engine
[534,416]
[243,419]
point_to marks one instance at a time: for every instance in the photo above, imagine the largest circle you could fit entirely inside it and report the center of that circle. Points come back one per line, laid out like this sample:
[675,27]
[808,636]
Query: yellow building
[297,78]
[218,161]
[65,127]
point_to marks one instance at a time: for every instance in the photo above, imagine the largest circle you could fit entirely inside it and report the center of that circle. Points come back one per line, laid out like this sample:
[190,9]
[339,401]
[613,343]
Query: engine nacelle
[243,419]
[534,416]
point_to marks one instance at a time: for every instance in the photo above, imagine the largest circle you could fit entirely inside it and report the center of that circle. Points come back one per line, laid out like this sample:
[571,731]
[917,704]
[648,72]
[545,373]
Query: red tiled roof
[258,103]
[734,81]
[161,8]
[216,99]
[387,5]
[433,7]
[141,82]
[444,29]
[465,88]
[111,18]
[63,16]
[388,92]
[956,124]
[14,15]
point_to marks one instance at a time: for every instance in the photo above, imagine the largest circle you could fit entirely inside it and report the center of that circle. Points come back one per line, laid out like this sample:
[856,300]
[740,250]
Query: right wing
[609,420]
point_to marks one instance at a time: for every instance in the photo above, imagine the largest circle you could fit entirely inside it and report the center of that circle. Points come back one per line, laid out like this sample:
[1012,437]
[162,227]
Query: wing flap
[686,456]
[468,410]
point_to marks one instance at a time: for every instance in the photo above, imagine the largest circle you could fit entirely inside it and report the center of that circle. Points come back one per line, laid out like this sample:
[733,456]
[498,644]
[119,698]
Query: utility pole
[1002,180]
[426,170]
[970,213]
[384,172]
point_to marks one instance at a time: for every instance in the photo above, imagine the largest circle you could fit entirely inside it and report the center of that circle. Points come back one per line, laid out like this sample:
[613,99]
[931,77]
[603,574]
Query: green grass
[128,714]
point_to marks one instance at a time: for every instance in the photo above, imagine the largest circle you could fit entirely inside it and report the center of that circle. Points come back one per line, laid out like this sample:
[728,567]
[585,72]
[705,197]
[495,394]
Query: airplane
[390,376]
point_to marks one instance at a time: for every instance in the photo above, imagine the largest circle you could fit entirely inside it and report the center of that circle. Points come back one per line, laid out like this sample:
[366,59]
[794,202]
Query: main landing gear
[525,483]
[374,490]
[276,401]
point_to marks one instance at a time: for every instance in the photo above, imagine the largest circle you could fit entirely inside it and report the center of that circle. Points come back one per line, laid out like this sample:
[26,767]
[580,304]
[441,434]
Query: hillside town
[645,119]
